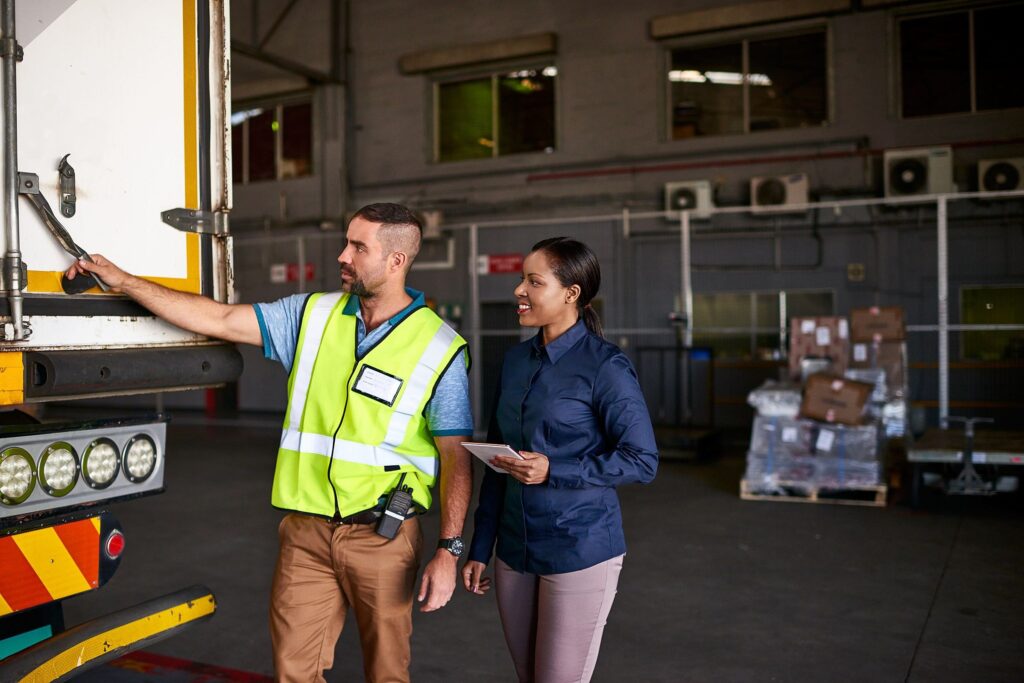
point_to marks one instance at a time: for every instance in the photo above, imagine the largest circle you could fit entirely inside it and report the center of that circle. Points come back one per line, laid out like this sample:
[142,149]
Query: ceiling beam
[283,63]
[277,23]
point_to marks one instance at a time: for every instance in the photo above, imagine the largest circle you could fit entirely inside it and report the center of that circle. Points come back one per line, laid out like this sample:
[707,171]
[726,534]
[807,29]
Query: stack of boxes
[814,340]
[879,350]
[824,428]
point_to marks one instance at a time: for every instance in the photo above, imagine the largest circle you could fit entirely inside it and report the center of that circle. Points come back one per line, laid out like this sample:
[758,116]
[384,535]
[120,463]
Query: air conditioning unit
[690,195]
[781,190]
[928,170]
[1001,175]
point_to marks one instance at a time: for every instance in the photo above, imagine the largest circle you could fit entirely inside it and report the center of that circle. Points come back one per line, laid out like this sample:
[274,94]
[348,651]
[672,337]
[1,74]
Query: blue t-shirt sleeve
[279,326]
[449,413]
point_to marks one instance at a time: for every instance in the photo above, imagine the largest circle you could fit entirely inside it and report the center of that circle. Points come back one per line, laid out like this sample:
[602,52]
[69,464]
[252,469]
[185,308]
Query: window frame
[934,10]
[744,36]
[278,104]
[960,311]
[753,331]
[492,70]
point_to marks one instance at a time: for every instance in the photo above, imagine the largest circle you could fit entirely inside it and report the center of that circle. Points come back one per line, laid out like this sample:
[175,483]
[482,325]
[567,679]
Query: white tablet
[487,451]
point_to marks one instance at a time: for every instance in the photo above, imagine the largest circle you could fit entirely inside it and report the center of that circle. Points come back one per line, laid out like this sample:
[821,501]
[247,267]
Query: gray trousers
[553,623]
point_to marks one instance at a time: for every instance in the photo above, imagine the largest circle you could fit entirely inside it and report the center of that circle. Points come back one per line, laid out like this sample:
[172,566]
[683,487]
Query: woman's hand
[473,577]
[532,469]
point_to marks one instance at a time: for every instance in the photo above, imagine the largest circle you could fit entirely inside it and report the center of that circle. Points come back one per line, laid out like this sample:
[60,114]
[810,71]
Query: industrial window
[749,85]
[992,306]
[752,325]
[272,143]
[510,112]
[961,62]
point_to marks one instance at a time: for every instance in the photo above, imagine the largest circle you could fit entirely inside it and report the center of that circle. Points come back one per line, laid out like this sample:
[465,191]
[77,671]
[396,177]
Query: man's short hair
[400,229]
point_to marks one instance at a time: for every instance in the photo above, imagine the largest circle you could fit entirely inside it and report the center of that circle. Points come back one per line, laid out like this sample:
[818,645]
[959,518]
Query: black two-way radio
[395,510]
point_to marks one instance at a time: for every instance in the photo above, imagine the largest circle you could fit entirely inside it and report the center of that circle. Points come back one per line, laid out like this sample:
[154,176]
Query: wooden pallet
[798,492]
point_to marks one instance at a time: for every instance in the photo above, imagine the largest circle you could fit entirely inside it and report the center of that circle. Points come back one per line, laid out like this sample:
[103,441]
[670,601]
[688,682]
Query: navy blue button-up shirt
[577,401]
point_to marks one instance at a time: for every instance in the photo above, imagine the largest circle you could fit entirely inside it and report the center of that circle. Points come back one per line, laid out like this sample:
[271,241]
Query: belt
[367,516]
[362,517]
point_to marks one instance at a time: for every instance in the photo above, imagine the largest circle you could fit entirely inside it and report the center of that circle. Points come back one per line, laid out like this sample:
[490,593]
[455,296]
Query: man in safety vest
[349,540]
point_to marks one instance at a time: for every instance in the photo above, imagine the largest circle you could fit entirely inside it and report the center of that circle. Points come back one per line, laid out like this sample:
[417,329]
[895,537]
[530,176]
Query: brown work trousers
[324,569]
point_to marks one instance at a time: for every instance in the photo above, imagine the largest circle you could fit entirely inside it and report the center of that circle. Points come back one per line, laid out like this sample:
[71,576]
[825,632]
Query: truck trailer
[116,140]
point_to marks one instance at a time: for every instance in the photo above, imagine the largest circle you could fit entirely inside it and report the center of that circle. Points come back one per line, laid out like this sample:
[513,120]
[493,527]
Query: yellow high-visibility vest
[355,425]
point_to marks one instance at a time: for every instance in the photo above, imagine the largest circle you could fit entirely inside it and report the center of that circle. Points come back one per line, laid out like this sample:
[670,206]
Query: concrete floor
[713,589]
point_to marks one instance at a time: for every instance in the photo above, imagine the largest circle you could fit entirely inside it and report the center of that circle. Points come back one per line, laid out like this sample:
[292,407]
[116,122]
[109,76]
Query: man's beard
[356,286]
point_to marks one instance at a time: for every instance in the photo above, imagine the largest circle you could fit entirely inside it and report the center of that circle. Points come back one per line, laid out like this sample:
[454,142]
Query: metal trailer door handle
[28,185]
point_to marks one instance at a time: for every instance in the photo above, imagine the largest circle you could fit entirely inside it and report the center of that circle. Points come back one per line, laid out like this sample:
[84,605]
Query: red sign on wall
[293,272]
[495,264]
[289,272]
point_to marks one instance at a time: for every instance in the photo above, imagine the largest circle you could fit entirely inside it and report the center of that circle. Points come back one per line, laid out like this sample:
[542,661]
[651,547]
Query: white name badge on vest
[378,385]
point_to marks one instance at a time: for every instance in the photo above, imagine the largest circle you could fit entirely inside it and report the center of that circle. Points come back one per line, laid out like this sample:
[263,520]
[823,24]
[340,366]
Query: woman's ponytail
[592,320]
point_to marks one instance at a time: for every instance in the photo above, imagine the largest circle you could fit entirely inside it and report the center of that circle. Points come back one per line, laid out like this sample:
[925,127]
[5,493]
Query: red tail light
[114,545]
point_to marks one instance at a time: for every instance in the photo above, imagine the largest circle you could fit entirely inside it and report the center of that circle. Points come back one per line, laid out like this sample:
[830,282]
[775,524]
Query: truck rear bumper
[100,640]
[70,374]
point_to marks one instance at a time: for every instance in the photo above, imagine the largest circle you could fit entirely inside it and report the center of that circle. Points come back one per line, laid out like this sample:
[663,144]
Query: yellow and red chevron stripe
[49,564]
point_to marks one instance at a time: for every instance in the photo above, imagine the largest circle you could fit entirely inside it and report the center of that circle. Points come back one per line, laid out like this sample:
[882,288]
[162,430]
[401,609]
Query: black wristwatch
[453,545]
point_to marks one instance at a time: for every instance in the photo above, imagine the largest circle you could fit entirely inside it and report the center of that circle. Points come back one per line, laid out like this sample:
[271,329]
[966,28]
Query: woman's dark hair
[575,264]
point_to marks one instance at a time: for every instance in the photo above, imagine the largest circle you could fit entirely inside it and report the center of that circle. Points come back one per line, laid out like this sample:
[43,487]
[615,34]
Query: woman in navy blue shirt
[570,404]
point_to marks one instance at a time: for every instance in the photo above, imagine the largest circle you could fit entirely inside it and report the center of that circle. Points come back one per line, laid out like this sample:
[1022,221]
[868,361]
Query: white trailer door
[117,85]
[113,84]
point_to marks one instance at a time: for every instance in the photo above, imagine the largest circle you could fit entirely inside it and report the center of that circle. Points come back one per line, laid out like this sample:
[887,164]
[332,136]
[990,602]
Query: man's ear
[397,260]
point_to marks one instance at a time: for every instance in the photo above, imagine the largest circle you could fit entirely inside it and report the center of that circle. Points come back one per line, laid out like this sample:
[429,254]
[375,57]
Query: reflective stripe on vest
[353,451]
[307,356]
[419,384]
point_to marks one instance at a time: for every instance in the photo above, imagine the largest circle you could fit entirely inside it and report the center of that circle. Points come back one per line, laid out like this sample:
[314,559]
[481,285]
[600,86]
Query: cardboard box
[820,338]
[835,399]
[888,356]
[876,324]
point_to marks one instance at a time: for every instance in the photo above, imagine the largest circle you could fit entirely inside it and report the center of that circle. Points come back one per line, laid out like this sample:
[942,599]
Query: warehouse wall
[611,127]
[610,103]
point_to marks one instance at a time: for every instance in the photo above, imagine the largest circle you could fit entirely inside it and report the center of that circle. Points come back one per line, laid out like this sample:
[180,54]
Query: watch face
[453,545]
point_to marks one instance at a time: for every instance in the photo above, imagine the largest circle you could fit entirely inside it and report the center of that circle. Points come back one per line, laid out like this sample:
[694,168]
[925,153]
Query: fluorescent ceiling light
[716,77]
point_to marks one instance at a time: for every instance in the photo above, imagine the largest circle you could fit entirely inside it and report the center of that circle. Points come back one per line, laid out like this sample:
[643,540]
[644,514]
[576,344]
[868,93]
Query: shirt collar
[418,301]
[560,346]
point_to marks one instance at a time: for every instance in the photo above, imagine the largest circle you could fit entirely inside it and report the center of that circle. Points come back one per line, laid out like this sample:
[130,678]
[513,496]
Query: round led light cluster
[139,458]
[100,463]
[58,469]
[17,475]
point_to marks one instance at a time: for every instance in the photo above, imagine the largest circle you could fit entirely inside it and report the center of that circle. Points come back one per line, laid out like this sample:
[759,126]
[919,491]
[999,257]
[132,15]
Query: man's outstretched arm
[235,323]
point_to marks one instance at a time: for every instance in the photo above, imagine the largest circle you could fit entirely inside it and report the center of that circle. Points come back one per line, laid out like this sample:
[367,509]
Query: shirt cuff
[563,473]
[481,551]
